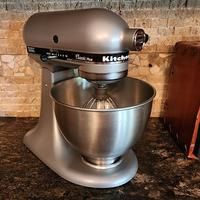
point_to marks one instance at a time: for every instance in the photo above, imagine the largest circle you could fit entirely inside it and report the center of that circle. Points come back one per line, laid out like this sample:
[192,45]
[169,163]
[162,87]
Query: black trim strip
[47,54]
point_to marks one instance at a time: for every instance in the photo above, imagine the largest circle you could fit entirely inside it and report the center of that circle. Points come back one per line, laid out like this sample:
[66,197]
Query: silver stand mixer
[91,113]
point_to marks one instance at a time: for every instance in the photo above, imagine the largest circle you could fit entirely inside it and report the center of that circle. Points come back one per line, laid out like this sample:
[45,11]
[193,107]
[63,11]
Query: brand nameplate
[78,56]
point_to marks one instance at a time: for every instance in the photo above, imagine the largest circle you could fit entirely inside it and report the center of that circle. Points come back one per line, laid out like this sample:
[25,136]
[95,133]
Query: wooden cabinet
[183,101]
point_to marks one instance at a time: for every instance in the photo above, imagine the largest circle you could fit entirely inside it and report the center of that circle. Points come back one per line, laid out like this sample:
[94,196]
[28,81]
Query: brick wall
[165,21]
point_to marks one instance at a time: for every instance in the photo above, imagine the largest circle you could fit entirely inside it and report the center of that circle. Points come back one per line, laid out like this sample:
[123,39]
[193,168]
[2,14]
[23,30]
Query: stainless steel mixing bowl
[102,136]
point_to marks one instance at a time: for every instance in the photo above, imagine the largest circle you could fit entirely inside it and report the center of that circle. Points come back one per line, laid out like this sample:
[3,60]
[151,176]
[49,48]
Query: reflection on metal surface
[102,163]
[102,133]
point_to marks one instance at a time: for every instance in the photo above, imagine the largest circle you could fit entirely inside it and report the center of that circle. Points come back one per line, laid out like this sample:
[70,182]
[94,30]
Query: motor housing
[96,40]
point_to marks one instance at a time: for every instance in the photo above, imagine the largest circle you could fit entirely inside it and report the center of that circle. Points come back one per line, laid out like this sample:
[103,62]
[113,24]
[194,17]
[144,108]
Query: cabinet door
[184,93]
[190,74]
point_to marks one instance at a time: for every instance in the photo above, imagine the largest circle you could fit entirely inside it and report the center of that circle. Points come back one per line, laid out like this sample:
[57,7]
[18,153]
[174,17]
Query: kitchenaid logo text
[114,58]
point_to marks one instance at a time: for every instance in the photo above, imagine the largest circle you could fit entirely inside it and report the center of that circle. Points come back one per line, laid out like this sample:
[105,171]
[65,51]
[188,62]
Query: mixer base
[69,165]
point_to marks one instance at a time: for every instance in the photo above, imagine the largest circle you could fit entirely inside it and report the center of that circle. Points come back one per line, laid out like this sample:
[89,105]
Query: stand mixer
[91,112]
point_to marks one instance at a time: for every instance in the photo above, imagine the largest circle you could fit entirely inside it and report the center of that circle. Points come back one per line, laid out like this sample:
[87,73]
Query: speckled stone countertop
[164,172]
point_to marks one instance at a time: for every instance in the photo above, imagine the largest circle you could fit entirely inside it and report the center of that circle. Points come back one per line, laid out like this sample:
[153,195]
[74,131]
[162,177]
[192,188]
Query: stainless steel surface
[102,133]
[102,163]
[48,144]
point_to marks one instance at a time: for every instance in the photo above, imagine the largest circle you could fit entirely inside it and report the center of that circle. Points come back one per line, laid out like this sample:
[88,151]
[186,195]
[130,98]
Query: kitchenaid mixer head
[96,40]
